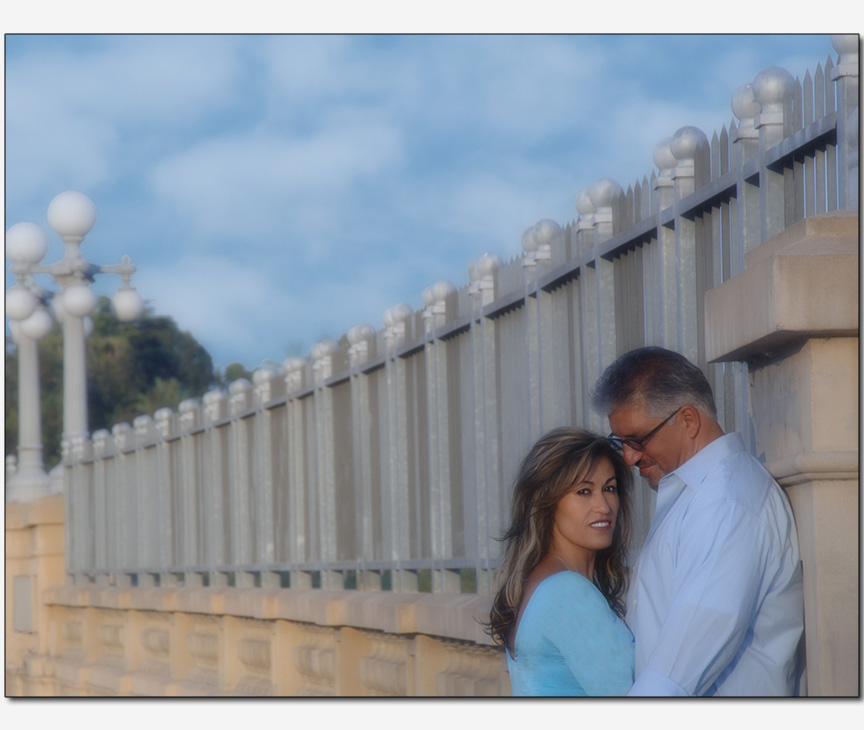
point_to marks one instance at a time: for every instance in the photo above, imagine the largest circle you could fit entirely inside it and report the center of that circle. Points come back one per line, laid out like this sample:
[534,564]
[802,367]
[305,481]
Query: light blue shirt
[716,604]
[570,643]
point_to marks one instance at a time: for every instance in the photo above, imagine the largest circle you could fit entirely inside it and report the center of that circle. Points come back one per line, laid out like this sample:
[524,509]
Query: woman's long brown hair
[549,471]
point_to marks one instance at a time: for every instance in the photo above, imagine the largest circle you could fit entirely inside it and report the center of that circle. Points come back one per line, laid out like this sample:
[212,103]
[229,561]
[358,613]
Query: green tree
[133,368]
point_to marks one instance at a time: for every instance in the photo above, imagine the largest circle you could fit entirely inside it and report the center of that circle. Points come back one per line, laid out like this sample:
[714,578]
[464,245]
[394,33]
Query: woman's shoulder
[568,586]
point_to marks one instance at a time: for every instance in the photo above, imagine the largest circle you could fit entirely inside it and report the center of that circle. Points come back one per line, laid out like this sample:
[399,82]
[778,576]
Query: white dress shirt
[716,605]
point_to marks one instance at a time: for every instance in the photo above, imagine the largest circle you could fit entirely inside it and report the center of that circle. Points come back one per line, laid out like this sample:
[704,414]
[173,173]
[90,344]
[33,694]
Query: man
[716,603]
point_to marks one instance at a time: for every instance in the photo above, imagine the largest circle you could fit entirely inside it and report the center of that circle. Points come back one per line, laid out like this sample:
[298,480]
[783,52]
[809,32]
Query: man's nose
[631,456]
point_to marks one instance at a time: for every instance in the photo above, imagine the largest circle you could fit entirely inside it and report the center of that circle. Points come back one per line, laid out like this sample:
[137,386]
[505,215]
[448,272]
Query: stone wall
[197,642]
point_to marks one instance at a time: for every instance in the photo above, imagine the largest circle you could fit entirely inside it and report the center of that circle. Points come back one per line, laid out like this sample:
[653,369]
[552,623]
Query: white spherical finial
[583,203]
[323,349]
[529,245]
[437,292]
[845,45]
[686,142]
[127,305]
[360,333]
[20,303]
[663,157]
[38,324]
[26,243]
[79,300]
[604,192]
[397,314]
[72,214]
[483,266]
[545,230]
[771,86]
[744,104]
[262,375]
[293,364]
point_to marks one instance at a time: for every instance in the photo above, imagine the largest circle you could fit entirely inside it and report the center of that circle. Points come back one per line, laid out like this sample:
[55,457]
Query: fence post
[125,512]
[536,242]
[321,355]
[587,347]
[770,87]
[435,299]
[746,141]
[397,513]
[482,512]
[101,505]
[299,537]
[688,145]
[165,490]
[604,194]
[845,77]
[148,501]
[216,535]
[191,497]
[241,497]
[359,338]
[665,329]
[263,383]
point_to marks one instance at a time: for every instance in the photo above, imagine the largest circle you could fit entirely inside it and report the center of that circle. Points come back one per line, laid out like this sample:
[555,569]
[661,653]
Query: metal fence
[385,461]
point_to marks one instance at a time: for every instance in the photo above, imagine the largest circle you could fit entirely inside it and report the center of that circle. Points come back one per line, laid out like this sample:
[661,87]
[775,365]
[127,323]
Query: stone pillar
[35,562]
[792,316]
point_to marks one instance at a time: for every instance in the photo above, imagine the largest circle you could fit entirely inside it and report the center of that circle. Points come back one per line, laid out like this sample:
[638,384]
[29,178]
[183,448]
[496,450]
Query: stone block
[797,286]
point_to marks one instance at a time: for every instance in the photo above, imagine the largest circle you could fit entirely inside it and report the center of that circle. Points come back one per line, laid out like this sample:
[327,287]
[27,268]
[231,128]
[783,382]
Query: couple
[716,602]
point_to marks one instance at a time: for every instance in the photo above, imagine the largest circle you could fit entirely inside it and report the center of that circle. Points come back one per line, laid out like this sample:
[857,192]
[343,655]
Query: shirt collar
[693,471]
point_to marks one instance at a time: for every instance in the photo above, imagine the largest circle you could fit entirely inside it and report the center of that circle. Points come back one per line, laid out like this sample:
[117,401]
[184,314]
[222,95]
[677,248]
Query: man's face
[662,453]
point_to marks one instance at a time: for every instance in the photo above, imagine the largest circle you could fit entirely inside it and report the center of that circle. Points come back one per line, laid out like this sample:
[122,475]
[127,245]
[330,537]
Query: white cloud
[276,189]
[249,186]
[228,306]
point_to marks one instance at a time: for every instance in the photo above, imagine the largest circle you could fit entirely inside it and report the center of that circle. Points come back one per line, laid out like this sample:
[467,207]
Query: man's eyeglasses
[639,444]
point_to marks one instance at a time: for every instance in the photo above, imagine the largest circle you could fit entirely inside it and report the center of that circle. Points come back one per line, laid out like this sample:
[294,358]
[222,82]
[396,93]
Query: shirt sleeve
[595,644]
[717,576]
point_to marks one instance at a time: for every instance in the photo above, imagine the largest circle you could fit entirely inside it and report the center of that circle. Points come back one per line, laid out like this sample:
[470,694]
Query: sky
[277,190]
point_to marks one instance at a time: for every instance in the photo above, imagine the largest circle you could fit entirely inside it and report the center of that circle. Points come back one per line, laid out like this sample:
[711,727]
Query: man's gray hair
[657,379]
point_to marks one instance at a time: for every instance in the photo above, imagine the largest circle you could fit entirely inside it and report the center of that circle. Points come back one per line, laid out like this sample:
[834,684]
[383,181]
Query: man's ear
[692,419]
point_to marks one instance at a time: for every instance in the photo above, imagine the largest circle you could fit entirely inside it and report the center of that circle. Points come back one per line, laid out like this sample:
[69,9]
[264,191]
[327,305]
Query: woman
[561,586]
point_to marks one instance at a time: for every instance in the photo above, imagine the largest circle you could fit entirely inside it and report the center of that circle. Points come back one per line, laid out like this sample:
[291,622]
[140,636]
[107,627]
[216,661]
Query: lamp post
[72,216]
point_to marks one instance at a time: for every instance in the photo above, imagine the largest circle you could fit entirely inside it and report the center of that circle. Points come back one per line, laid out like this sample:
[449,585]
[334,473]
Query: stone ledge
[799,285]
[815,466]
[831,229]
[392,613]
[455,616]
[448,615]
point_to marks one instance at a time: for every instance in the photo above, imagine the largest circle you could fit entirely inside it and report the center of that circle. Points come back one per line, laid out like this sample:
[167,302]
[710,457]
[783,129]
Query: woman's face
[585,517]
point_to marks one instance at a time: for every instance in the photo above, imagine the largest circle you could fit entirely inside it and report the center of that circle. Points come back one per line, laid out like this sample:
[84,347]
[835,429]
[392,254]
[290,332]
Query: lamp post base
[27,485]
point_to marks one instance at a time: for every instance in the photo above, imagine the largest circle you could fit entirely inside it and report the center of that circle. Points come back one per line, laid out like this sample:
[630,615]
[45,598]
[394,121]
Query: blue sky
[277,190]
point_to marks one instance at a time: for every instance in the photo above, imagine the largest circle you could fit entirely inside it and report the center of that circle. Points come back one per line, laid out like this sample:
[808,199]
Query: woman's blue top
[569,642]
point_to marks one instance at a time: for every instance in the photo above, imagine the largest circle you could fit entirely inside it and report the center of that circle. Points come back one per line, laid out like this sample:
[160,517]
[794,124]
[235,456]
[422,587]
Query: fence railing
[385,460]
